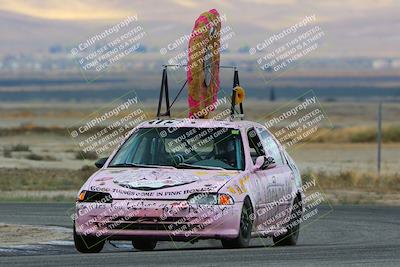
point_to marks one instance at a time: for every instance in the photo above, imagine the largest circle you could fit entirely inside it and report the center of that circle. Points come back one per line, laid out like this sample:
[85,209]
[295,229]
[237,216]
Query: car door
[280,188]
[266,180]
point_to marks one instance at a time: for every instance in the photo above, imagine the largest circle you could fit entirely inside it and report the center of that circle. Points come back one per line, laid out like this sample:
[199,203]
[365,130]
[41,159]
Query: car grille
[148,223]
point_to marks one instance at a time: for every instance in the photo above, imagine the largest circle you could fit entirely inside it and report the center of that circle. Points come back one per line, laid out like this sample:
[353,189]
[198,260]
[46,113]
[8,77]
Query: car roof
[201,123]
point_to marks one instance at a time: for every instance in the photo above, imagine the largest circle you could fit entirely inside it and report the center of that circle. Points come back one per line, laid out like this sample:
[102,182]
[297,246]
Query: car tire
[292,233]
[246,225]
[86,244]
[144,244]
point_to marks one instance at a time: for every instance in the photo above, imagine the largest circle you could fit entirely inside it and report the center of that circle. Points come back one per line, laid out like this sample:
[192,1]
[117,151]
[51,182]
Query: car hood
[158,183]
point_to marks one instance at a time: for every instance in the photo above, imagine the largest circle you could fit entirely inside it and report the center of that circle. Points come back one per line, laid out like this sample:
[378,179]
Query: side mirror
[269,163]
[100,162]
[259,163]
[263,163]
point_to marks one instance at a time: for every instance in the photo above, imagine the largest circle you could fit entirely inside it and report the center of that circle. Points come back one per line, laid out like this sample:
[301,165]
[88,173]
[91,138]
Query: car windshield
[186,148]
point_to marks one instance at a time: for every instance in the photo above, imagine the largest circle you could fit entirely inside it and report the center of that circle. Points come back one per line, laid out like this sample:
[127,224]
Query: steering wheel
[195,154]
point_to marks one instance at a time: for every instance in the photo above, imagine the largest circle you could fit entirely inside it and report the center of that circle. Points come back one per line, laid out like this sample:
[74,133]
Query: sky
[329,10]
[352,27]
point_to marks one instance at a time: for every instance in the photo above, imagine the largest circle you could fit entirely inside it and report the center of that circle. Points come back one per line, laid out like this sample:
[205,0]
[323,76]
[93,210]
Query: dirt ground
[58,153]
[314,156]
[11,234]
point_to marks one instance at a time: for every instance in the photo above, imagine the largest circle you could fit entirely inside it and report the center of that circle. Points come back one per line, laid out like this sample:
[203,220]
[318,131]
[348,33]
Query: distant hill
[26,34]
[370,34]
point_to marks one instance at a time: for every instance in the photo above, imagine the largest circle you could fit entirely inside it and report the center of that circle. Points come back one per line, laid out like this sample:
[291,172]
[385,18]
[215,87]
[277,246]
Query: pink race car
[187,179]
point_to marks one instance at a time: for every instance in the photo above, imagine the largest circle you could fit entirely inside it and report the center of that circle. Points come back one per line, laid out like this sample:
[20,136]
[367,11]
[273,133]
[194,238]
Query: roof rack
[165,89]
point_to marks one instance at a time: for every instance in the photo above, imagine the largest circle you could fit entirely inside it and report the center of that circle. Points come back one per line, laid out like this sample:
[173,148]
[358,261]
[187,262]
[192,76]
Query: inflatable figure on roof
[203,64]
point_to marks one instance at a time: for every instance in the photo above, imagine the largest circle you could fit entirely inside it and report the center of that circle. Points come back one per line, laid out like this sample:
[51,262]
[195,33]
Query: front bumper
[161,220]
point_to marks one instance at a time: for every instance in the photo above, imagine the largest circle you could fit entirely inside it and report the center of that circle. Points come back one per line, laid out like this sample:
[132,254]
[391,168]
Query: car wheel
[86,244]
[292,232]
[246,225]
[144,244]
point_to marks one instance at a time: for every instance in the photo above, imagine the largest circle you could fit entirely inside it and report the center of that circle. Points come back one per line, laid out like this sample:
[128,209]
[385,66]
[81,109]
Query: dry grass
[90,155]
[52,185]
[355,180]
[7,151]
[356,188]
[38,196]
[43,179]
[360,197]
[351,134]
[31,128]
[331,157]
[359,134]
[33,156]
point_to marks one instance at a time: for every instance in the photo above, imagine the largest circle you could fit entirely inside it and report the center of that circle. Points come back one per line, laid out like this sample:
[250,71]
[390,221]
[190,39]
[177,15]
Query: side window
[270,146]
[256,147]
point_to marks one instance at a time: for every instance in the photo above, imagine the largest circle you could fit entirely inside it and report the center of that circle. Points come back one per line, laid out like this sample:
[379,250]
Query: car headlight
[210,199]
[92,196]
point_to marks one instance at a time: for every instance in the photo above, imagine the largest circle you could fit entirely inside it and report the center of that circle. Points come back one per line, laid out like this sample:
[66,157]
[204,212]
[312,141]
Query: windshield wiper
[140,165]
[193,166]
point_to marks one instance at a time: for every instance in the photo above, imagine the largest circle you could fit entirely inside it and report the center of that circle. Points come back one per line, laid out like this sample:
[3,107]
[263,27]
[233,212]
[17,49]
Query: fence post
[379,140]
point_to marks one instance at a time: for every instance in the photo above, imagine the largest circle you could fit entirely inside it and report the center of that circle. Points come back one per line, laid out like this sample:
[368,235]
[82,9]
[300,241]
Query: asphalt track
[337,236]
